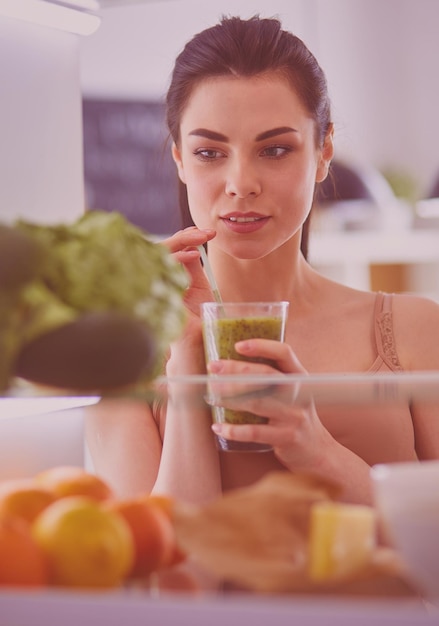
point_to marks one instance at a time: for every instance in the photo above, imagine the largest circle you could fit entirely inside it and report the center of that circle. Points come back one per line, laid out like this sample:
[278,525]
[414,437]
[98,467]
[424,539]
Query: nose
[242,180]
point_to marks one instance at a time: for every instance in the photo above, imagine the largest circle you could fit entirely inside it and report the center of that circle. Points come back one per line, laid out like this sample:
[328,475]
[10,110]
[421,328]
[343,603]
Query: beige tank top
[387,357]
[380,433]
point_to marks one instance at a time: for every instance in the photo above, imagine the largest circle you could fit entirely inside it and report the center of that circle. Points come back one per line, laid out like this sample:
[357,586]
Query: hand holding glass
[226,323]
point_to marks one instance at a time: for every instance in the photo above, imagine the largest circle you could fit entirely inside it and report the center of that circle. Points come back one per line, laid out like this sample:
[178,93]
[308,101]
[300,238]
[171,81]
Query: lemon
[342,539]
[86,544]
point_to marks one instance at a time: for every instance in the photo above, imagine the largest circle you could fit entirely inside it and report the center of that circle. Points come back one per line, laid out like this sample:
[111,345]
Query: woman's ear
[326,155]
[176,155]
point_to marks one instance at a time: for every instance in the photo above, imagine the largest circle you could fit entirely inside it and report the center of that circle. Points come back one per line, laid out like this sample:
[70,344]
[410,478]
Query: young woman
[249,115]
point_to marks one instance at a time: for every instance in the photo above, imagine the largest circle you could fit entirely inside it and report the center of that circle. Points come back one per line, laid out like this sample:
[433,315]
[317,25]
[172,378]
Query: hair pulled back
[238,47]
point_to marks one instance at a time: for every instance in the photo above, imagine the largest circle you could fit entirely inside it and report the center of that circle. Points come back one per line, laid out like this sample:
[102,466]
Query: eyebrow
[282,130]
[211,134]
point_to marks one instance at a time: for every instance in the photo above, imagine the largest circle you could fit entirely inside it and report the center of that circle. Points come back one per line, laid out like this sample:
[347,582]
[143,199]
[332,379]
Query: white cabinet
[41,152]
[351,258]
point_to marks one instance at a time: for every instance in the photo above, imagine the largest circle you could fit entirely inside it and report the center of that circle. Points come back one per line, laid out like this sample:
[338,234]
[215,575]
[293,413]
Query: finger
[275,409]
[242,377]
[219,390]
[187,255]
[249,433]
[271,409]
[188,238]
[239,377]
[198,279]
[277,351]
[233,367]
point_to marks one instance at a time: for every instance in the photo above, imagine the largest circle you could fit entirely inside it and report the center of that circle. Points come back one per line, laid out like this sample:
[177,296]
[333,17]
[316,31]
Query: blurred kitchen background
[82,84]
[377,228]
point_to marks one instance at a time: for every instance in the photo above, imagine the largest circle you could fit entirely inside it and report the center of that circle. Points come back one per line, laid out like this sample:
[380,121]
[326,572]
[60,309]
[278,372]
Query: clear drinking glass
[224,324]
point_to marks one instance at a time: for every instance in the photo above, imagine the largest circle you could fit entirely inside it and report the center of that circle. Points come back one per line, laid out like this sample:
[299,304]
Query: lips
[244,222]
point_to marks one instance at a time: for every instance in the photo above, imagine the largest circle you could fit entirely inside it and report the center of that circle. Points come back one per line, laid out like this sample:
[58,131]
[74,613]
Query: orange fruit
[152,532]
[166,504]
[86,544]
[66,480]
[22,562]
[23,498]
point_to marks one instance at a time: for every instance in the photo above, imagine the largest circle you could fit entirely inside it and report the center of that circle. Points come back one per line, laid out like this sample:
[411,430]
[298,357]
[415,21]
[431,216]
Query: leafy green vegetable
[101,262]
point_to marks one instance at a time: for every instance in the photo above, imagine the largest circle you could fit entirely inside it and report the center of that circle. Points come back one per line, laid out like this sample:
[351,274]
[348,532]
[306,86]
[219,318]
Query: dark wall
[128,165]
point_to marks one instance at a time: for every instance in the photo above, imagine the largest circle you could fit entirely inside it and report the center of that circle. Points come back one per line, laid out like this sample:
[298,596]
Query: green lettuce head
[102,263]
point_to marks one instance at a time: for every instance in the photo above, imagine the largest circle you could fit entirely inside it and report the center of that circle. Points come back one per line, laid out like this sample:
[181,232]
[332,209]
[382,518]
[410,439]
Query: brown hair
[247,48]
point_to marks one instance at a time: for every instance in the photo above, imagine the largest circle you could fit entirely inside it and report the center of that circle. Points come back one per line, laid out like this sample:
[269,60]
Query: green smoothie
[228,331]
[220,342]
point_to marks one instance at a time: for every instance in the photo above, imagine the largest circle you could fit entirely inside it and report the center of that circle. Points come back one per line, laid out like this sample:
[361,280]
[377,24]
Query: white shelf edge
[49,14]
[22,407]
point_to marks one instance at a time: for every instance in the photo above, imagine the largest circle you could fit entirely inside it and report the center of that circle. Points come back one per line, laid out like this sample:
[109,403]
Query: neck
[281,275]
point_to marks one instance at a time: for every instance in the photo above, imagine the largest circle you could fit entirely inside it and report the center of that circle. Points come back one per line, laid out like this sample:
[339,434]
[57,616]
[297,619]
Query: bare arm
[126,450]
[124,445]
[189,467]
[417,337]
[123,436]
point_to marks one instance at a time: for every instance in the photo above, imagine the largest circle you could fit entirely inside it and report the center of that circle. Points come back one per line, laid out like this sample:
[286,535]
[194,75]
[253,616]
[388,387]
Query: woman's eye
[276,152]
[207,154]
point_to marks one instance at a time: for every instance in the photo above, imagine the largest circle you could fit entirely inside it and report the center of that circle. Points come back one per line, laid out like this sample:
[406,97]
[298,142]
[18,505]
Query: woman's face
[248,157]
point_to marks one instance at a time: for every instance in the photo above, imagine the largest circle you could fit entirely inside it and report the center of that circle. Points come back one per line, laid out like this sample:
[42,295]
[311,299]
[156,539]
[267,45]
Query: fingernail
[214,367]
[243,346]
[217,428]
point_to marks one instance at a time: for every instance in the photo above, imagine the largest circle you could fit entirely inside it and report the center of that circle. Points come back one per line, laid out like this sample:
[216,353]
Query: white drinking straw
[209,274]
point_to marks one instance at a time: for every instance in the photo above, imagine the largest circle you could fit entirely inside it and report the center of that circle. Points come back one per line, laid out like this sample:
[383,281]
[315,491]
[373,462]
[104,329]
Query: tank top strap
[384,337]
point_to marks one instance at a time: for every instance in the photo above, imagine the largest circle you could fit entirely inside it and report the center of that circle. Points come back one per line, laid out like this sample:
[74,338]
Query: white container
[407,498]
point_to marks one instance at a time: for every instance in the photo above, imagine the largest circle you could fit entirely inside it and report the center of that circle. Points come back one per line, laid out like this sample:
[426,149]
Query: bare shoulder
[415,310]
[416,329]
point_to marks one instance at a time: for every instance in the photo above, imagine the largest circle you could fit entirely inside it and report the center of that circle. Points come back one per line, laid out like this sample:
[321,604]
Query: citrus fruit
[152,532]
[22,561]
[66,480]
[86,544]
[342,539]
[23,498]
[166,504]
